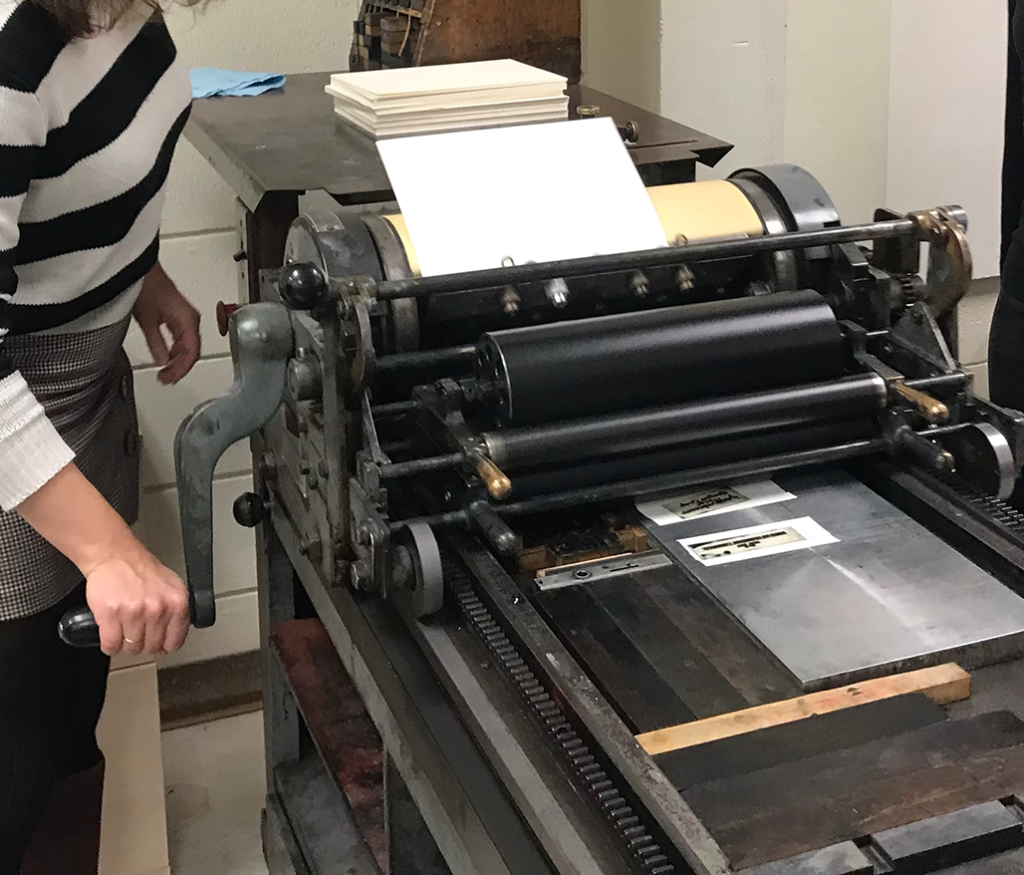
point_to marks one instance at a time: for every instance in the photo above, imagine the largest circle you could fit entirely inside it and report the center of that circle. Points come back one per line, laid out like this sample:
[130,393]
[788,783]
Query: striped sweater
[87,130]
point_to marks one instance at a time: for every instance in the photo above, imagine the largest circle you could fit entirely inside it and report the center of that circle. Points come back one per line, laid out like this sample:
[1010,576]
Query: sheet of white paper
[755,542]
[475,199]
[711,501]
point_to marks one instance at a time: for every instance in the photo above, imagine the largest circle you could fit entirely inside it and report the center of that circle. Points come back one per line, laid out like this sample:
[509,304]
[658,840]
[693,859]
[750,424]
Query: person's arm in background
[1013,152]
[131,594]
[161,307]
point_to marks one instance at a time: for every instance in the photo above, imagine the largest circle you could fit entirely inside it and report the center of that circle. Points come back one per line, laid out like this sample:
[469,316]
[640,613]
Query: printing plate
[886,595]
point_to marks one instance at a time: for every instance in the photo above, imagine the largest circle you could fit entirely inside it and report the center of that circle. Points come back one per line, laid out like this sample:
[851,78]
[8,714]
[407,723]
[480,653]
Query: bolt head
[359,574]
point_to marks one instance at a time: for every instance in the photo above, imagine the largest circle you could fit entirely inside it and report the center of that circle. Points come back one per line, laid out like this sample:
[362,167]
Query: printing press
[558,518]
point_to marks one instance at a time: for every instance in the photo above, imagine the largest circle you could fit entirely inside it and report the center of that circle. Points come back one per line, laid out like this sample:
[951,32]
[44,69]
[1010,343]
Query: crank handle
[262,342]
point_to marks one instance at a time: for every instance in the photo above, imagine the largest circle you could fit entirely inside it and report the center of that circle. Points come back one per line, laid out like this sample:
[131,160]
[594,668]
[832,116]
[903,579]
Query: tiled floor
[215,789]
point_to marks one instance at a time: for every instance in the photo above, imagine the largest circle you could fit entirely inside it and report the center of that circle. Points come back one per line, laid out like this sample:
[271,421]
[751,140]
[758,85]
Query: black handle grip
[303,287]
[79,628]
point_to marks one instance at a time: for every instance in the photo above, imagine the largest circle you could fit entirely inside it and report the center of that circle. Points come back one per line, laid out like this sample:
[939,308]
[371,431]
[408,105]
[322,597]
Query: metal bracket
[371,541]
[362,354]
[262,341]
[600,569]
[950,263]
[918,331]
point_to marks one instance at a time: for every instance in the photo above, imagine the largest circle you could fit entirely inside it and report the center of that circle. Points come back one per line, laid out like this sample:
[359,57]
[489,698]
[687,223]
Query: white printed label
[713,500]
[753,542]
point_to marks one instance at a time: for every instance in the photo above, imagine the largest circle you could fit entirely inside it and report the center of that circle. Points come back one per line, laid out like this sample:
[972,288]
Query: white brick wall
[842,89]
[259,35]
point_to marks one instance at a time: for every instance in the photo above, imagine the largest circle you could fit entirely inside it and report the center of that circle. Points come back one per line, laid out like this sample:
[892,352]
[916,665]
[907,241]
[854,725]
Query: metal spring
[641,846]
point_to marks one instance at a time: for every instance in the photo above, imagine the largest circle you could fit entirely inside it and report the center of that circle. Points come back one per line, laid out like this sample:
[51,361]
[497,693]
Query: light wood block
[134,832]
[942,684]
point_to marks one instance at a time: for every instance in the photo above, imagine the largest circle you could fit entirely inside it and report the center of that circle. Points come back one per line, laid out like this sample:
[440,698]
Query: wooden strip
[199,692]
[942,684]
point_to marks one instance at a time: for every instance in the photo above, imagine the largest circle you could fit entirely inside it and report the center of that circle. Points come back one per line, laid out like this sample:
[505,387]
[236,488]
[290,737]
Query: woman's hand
[139,605]
[160,306]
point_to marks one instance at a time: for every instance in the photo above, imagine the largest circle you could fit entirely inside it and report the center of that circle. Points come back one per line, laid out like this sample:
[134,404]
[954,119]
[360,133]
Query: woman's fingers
[178,620]
[155,341]
[133,624]
[156,632]
[183,357]
[140,608]
[182,321]
[111,632]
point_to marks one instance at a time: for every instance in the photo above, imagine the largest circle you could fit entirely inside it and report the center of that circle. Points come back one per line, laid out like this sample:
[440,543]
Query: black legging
[51,696]
[1006,343]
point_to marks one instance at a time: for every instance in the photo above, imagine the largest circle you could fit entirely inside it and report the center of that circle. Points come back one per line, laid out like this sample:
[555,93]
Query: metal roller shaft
[646,430]
[611,364]
[422,287]
[648,484]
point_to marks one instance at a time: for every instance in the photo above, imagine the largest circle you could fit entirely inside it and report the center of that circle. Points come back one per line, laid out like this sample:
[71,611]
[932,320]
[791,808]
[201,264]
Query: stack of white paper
[415,100]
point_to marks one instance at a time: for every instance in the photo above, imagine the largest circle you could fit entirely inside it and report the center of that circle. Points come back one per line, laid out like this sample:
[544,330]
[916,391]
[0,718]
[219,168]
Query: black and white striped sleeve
[31,450]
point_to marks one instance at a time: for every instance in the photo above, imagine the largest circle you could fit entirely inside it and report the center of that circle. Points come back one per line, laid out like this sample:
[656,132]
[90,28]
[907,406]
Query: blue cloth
[211,82]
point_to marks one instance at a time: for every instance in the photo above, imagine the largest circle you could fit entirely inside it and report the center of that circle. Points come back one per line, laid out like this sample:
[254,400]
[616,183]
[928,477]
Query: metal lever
[493,527]
[933,410]
[262,341]
[928,454]
[499,487]
[930,408]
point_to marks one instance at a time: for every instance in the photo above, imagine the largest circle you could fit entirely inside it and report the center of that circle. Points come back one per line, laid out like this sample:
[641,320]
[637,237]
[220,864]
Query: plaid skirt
[84,382]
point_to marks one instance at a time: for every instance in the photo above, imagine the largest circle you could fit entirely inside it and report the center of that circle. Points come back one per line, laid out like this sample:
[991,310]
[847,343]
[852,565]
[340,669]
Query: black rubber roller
[614,363]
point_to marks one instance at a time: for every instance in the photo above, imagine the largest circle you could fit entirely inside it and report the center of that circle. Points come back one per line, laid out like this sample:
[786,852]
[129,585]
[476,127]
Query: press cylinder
[611,364]
[699,421]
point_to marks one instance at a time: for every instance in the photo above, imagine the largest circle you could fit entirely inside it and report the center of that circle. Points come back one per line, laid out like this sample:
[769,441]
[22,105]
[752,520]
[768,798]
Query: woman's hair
[79,18]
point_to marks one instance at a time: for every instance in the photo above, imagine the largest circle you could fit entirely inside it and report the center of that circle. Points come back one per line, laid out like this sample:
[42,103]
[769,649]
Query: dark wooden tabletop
[292,141]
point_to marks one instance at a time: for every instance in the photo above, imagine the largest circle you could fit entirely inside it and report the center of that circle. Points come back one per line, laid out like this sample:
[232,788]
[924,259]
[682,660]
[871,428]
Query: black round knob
[249,510]
[303,286]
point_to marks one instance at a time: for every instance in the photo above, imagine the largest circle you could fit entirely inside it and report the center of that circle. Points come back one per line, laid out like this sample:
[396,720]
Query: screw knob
[224,312]
[303,286]
[249,510]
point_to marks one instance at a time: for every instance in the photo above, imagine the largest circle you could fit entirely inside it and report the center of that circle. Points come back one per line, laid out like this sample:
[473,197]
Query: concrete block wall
[199,239]
[842,88]
[622,49]
[975,321]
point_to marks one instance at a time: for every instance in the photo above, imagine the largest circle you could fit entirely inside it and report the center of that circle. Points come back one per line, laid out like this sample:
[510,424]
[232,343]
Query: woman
[92,101]
[1006,342]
